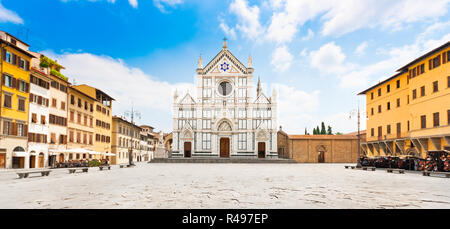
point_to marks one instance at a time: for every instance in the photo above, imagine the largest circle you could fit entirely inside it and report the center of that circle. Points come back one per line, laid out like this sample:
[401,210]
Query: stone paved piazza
[225,186]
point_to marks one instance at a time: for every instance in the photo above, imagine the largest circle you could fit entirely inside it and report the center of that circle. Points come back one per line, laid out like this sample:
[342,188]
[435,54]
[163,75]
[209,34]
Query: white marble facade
[224,118]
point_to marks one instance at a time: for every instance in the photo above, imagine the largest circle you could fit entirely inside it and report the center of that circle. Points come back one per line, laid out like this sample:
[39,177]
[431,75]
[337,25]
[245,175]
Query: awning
[19,154]
[79,150]
[110,154]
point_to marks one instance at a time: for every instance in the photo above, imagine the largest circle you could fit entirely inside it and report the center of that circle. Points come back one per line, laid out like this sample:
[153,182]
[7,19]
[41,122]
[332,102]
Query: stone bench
[104,166]
[389,170]
[25,174]
[368,168]
[439,174]
[84,170]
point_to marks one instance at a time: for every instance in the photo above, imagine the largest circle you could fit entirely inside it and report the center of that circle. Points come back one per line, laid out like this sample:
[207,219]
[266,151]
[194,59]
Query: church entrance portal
[187,149]
[261,149]
[224,147]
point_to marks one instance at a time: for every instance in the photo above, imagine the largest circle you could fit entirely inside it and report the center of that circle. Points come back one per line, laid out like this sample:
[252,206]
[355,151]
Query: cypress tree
[323,131]
[330,132]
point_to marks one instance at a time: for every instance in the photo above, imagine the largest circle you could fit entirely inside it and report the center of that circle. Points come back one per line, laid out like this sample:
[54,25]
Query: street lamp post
[132,113]
[358,162]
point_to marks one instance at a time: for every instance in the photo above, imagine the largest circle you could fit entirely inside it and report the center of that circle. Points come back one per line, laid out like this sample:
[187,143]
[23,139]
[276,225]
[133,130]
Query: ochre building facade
[409,113]
[318,148]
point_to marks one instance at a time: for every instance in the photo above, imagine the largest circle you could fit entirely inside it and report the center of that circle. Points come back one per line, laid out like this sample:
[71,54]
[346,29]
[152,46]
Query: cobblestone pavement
[225,186]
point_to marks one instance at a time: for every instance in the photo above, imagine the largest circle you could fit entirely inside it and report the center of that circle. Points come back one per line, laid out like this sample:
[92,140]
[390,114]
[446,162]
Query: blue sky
[317,54]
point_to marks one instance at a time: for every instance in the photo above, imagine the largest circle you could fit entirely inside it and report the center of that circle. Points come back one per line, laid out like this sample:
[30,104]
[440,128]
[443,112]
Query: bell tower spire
[258,89]
[224,43]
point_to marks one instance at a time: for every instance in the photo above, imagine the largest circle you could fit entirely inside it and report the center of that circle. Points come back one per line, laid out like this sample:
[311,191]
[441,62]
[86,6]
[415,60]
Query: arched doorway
[321,157]
[18,159]
[321,149]
[32,159]
[224,147]
[261,149]
[41,160]
[187,149]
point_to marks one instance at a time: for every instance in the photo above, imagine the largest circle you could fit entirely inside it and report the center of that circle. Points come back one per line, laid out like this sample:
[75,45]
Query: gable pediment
[225,60]
[187,99]
[262,99]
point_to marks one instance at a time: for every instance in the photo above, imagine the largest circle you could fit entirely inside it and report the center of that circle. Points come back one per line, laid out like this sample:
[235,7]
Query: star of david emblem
[224,67]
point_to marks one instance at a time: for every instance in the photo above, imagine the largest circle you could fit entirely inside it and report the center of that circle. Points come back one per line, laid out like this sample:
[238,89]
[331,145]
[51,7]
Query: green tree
[329,132]
[323,131]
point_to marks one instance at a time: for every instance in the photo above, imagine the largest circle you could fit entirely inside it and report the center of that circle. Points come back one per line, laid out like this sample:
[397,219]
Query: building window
[379,108]
[242,92]
[423,121]
[54,102]
[7,80]
[22,86]
[435,62]
[79,103]
[43,120]
[7,127]
[242,141]
[388,88]
[398,102]
[72,99]
[388,105]
[379,91]
[206,141]
[448,117]
[371,95]
[422,91]
[408,125]
[448,81]
[63,106]
[388,129]
[206,124]
[435,119]
[34,118]
[398,83]
[372,132]
[207,92]
[7,100]
[21,105]
[371,111]
[414,94]
[242,124]
[435,86]
[399,129]
[380,131]
[207,82]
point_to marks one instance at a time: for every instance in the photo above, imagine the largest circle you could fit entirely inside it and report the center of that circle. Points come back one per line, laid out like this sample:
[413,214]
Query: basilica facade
[224,118]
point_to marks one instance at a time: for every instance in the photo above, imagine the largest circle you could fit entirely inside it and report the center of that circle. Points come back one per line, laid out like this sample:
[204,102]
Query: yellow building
[409,113]
[80,124]
[102,117]
[125,140]
[14,91]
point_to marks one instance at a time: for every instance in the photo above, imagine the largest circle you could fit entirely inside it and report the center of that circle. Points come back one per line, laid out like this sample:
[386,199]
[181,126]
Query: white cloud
[396,58]
[295,107]
[9,16]
[345,16]
[361,49]
[125,84]
[229,32]
[281,58]
[248,18]
[133,3]
[162,4]
[329,59]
